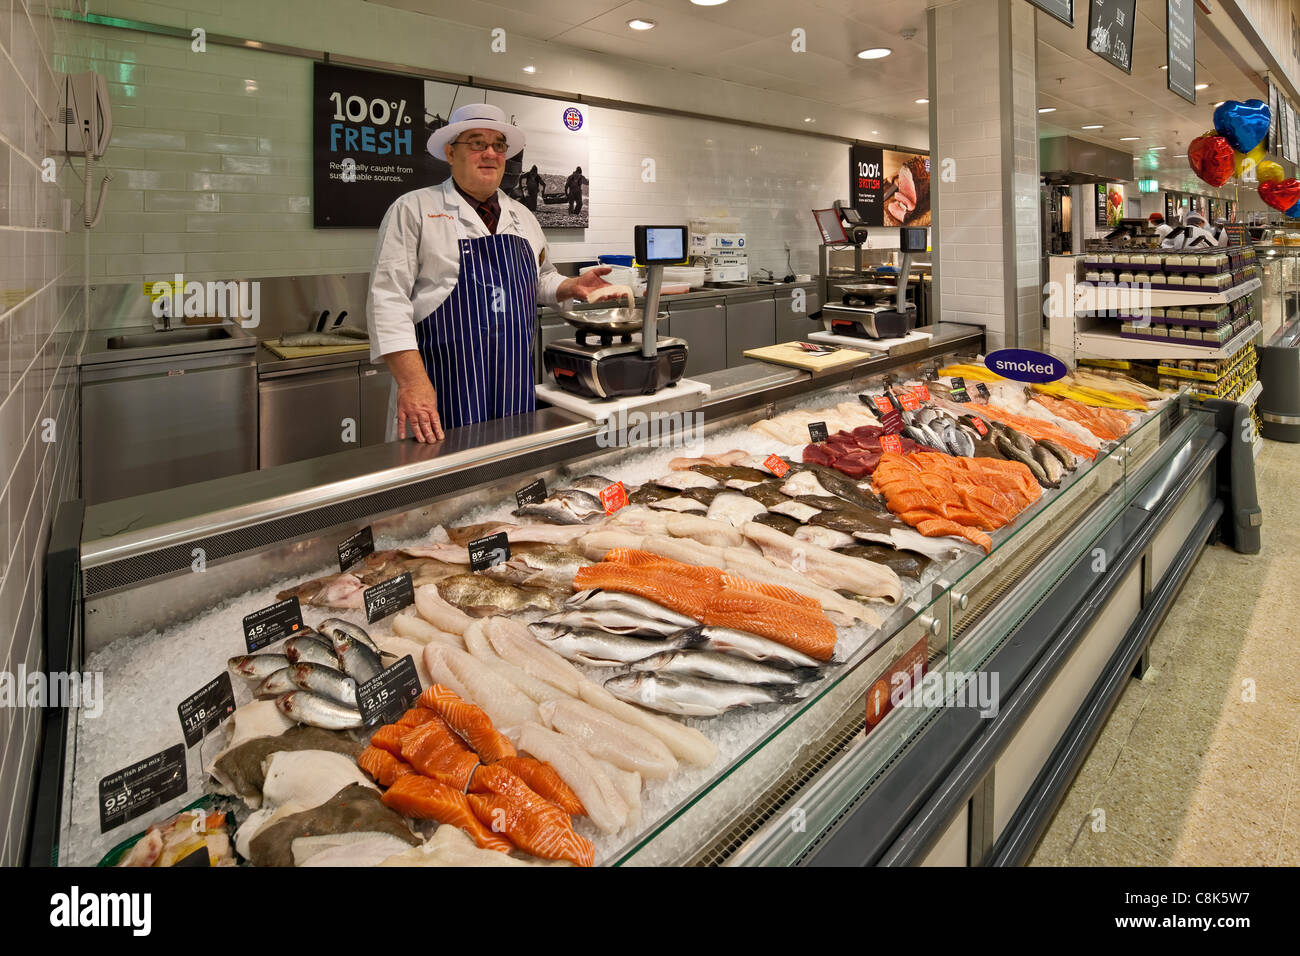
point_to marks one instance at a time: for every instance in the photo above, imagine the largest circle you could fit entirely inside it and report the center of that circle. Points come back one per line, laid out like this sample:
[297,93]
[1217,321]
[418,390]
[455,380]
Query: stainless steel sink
[188,336]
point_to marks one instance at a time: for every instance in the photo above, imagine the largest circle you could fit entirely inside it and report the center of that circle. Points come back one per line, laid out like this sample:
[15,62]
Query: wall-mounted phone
[87,119]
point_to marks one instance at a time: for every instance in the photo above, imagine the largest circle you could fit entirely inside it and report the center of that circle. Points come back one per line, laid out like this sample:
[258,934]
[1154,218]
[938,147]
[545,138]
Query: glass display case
[165,581]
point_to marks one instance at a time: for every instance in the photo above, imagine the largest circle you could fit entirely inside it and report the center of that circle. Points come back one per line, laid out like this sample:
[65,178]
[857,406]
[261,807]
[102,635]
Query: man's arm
[416,400]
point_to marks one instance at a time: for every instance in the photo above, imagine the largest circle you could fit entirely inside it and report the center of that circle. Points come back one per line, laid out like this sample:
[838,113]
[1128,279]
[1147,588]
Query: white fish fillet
[400,647]
[804,483]
[686,743]
[477,644]
[600,796]
[410,625]
[855,413]
[441,614]
[715,534]
[599,543]
[452,846]
[628,785]
[826,567]
[605,736]
[734,510]
[309,777]
[795,509]
[346,849]
[681,480]
[516,645]
[441,671]
[508,706]
[679,505]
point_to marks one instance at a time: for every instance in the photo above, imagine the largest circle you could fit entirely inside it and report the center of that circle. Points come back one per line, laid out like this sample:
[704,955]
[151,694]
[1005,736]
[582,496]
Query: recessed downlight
[923,101]
[708,3]
[1154,148]
[875,53]
[530,68]
[636,23]
[1202,86]
[1047,109]
[875,132]
[809,119]
[1093,126]
[1127,139]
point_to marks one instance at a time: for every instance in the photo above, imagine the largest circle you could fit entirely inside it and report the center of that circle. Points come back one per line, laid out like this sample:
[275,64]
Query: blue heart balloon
[1243,125]
[1293,212]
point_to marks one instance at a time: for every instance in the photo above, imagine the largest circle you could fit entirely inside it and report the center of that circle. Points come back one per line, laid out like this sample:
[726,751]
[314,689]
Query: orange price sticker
[776,466]
[884,404]
[922,390]
[613,497]
[908,399]
[891,443]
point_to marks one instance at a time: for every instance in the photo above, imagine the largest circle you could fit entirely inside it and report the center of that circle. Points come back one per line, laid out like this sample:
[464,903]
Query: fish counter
[542,645]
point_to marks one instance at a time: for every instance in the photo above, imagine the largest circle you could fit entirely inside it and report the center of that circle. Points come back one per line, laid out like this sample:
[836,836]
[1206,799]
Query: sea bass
[567,507]
[724,667]
[603,649]
[692,696]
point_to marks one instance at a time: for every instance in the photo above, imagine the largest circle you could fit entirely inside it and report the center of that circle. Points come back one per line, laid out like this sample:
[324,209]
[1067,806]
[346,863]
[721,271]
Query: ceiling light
[1155,147]
[875,53]
[639,24]
[1094,126]
[1165,67]
[530,68]
[708,3]
[1220,103]
[1125,139]
[1047,109]
[1180,156]
[808,119]
[923,101]
[1202,86]
[875,132]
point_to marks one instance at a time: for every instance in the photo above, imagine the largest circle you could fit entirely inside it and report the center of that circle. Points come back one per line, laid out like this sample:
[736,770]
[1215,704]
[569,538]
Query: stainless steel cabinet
[304,414]
[703,324]
[751,324]
[161,423]
[376,384]
[793,324]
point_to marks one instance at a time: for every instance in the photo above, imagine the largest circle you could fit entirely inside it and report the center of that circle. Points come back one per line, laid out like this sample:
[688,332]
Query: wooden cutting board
[311,351]
[790,354]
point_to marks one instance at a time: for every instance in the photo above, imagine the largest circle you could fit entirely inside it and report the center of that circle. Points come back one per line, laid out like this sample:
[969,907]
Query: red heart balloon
[1210,157]
[1281,196]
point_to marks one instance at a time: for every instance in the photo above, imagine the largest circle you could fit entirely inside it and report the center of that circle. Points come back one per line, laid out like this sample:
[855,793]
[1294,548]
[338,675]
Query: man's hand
[580,287]
[417,403]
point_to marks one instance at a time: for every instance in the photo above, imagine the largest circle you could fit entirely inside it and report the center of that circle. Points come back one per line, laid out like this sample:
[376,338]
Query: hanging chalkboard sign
[1063,10]
[1180,48]
[1110,31]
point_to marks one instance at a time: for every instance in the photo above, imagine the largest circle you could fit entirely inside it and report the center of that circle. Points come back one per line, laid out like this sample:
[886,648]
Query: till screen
[664,245]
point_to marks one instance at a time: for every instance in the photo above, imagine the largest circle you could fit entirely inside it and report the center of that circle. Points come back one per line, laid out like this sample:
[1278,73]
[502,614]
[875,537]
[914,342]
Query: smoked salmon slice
[382,767]
[471,722]
[543,779]
[532,823]
[420,798]
[435,751]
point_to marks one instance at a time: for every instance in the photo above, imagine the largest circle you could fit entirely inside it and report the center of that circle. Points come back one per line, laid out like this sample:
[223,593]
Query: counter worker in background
[1157,222]
[1220,232]
[1197,229]
[458,272]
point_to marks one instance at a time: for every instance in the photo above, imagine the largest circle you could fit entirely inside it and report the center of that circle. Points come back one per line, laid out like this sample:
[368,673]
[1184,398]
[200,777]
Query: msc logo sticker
[573,118]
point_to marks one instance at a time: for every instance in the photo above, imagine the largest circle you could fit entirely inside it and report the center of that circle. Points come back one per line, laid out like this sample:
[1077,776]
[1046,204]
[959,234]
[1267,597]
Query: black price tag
[487,552]
[817,431]
[204,710]
[355,547]
[390,693]
[959,390]
[272,623]
[388,597]
[982,390]
[892,422]
[141,787]
[532,494]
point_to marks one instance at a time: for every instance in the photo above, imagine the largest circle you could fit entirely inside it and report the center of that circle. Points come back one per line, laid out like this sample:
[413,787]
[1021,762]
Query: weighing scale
[862,315]
[608,358]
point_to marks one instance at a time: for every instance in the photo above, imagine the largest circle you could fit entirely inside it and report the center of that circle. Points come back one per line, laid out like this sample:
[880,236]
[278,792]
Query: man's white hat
[476,116]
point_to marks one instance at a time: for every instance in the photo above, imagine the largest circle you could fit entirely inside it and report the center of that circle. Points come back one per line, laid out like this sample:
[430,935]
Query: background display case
[1279,349]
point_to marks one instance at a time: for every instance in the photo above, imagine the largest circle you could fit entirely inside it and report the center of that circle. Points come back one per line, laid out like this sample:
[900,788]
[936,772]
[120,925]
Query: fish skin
[613,622]
[305,649]
[726,640]
[281,682]
[602,649]
[959,443]
[569,506]
[1014,453]
[356,660]
[481,596]
[326,681]
[1051,466]
[334,625]
[591,484]
[257,667]
[649,493]
[724,667]
[317,711]
[1061,454]
[599,599]
[691,696]
[681,480]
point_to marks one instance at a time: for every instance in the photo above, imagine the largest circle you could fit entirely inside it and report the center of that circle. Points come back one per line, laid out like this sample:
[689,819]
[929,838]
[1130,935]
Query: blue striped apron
[477,346]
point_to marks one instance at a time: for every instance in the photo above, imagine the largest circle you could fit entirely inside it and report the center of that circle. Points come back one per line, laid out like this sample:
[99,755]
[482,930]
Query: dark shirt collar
[493,203]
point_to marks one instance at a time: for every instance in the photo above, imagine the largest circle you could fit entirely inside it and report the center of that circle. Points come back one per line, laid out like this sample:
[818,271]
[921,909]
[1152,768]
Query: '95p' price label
[776,465]
[141,787]
[390,693]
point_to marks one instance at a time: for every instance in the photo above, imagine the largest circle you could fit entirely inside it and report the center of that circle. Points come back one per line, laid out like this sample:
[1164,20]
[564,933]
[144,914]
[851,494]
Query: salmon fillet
[472,723]
[389,738]
[543,779]
[770,590]
[802,628]
[416,716]
[532,823]
[420,798]
[706,575]
[435,751]
[669,590]
[382,767]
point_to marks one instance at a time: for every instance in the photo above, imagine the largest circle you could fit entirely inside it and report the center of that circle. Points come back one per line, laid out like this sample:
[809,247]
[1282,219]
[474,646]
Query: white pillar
[984,168]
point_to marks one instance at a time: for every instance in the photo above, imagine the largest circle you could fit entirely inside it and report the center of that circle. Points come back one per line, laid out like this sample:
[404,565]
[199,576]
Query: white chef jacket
[417,260]
[1163,230]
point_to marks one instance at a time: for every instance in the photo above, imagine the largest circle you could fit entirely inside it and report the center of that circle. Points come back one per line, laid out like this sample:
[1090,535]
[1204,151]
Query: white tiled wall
[42,324]
[212,151]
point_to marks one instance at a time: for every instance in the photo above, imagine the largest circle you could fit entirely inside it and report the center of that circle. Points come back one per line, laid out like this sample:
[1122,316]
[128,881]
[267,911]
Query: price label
[891,443]
[982,390]
[141,787]
[488,552]
[980,426]
[205,709]
[892,422]
[613,497]
[388,597]
[390,693]
[817,431]
[532,494]
[272,623]
[776,465]
[959,390]
[883,404]
[908,400]
[355,547]
[923,391]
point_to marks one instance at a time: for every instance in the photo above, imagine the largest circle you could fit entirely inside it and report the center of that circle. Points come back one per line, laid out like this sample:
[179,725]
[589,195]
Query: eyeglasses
[479,145]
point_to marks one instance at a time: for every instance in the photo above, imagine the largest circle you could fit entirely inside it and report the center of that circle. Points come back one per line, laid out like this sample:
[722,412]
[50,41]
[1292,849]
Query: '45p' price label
[390,693]
[268,625]
[205,709]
